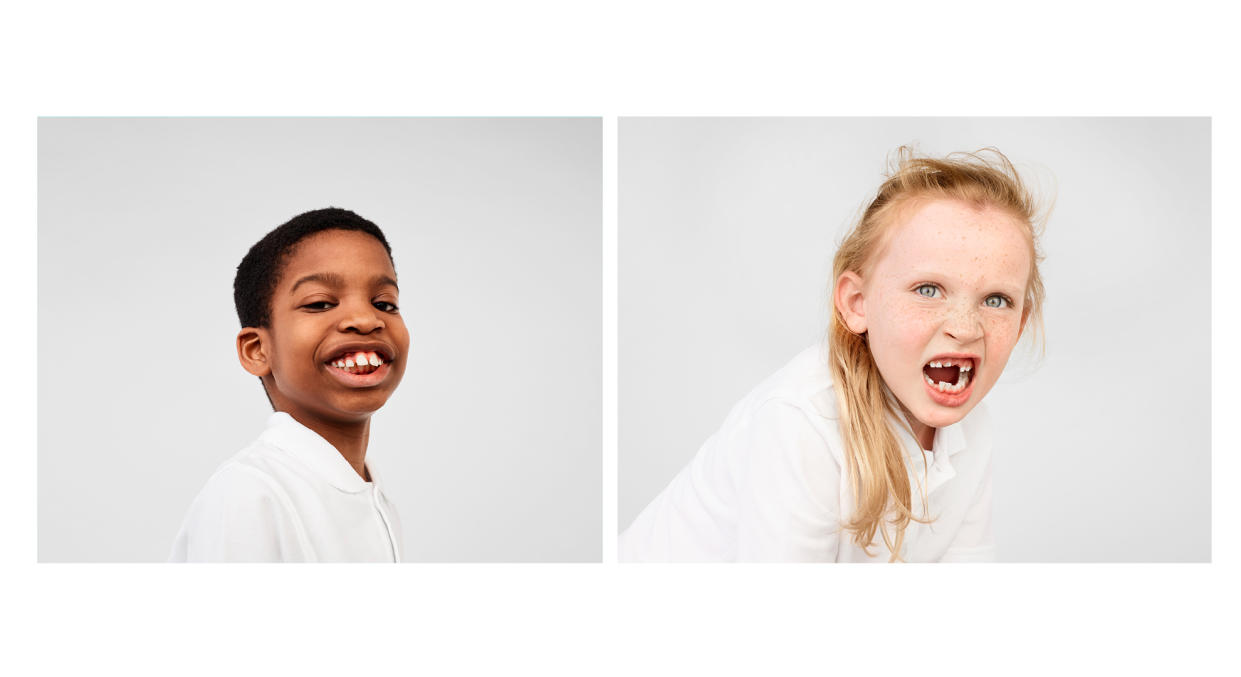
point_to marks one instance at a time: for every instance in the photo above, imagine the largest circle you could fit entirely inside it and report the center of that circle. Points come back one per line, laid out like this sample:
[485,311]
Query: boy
[317,301]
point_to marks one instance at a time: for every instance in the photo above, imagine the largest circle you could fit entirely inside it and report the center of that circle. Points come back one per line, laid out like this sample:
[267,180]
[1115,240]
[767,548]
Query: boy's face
[336,298]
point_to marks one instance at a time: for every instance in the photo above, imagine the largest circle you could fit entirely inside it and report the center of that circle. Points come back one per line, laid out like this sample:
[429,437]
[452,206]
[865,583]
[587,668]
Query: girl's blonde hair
[875,458]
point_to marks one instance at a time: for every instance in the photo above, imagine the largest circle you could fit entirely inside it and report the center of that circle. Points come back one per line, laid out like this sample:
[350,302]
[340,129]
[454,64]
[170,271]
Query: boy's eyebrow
[336,281]
[330,279]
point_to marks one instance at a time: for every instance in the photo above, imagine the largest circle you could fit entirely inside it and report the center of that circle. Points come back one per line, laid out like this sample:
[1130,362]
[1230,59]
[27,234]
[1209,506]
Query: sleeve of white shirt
[240,516]
[788,487]
[974,541]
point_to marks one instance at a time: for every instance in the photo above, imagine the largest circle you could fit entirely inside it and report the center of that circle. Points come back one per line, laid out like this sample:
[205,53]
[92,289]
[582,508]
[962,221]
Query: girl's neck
[924,434]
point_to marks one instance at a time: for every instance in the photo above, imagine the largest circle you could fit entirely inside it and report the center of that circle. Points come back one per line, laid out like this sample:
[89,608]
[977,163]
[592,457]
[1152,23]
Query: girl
[827,460]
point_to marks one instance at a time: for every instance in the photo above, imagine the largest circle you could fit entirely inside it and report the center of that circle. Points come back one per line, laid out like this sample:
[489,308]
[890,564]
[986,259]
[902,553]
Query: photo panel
[1100,435]
[489,449]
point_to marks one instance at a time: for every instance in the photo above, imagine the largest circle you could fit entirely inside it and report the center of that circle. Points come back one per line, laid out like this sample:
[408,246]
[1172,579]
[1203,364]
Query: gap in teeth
[963,379]
[963,365]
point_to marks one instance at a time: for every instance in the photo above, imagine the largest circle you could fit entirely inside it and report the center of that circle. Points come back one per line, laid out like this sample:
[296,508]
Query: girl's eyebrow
[337,281]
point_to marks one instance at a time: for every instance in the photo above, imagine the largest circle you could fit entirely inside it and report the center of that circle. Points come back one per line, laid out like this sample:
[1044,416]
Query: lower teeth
[942,387]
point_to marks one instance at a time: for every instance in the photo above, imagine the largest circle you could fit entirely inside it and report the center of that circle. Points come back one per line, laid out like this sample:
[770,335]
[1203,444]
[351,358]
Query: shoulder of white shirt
[804,382]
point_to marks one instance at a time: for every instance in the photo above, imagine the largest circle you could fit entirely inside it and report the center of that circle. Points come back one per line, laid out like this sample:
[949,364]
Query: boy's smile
[942,307]
[360,365]
[336,347]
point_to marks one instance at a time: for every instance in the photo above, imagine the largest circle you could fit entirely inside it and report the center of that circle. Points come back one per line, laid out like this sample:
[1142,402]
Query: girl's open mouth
[949,381]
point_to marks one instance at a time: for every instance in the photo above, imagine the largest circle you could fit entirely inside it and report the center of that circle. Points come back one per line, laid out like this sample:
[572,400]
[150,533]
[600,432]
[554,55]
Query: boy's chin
[359,408]
[350,408]
[333,404]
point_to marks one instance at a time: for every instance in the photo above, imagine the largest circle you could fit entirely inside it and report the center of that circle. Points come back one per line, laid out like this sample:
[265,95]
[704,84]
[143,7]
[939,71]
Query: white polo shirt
[290,497]
[771,485]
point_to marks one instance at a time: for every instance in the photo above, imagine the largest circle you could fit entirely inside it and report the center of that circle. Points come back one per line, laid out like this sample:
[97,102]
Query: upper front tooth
[349,361]
[936,365]
[359,359]
[373,359]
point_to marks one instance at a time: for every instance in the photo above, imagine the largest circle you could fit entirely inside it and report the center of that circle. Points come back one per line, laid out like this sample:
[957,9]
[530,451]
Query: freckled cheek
[893,313]
[906,331]
[1002,335]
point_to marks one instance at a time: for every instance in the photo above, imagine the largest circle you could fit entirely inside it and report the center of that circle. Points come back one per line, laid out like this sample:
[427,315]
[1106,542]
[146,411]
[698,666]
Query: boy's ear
[850,302]
[252,345]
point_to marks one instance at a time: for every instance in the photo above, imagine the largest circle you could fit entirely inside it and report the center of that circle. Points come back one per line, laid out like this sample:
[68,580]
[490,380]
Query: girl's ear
[252,350]
[850,301]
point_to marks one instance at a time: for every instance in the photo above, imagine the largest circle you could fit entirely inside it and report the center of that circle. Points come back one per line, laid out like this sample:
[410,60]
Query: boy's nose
[361,320]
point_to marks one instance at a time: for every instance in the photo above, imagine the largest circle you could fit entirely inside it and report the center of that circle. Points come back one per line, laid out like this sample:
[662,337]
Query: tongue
[945,374]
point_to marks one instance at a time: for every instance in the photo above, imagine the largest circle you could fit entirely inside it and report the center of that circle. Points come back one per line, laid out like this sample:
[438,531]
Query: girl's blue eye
[997,301]
[927,290]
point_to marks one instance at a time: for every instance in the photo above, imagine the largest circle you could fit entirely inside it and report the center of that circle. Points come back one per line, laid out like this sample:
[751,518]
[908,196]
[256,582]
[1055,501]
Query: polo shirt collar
[949,440]
[309,447]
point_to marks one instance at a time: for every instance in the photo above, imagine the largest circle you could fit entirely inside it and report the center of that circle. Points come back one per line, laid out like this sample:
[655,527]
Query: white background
[1102,448]
[562,57]
[490,446]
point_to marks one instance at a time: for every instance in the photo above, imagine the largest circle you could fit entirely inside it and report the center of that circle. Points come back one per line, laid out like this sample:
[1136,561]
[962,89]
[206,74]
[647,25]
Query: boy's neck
[349,437]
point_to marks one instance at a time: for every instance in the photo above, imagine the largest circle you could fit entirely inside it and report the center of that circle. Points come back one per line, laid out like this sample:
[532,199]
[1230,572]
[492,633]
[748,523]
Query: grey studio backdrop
[1103,451]
[490,448]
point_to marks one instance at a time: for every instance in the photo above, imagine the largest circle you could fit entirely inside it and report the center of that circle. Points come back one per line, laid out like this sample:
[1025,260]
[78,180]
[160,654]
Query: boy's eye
[927,290]
[997,301]
[319,305]
[385,306]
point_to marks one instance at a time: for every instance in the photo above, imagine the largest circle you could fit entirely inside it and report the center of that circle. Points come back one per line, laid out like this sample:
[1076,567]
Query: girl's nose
[964,325]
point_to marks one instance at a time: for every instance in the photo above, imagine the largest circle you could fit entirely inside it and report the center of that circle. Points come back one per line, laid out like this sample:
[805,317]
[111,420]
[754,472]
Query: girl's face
[943,303]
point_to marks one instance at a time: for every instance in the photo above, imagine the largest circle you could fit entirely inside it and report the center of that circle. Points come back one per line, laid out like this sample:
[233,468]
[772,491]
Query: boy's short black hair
[260,270]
